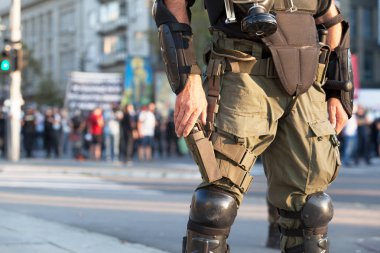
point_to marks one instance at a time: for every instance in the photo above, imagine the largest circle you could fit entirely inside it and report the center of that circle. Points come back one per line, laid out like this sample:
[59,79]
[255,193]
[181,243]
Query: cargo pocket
[325,158]
[242,110]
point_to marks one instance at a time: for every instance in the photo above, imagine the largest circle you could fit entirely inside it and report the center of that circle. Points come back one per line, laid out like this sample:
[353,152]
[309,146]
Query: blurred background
[87,135]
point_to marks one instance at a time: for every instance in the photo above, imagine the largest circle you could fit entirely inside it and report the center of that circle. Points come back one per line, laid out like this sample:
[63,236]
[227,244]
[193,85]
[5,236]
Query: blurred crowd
[115,134]
[361,137]
[124,134]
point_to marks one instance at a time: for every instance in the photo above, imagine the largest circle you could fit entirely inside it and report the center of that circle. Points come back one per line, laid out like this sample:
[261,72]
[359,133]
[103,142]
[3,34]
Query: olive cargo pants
[293,136]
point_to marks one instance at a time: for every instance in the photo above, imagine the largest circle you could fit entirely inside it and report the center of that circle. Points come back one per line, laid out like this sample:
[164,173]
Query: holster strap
[239,175]
[215,69]
[239,154]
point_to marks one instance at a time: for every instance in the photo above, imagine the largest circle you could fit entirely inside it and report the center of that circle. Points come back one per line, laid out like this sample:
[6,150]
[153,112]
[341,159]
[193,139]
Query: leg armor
[315,216]
[212,213]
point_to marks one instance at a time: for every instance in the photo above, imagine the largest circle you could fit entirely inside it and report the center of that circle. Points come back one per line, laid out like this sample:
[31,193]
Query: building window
[354,21]
[110,12]
[114,44]
[67,21]
[367,24]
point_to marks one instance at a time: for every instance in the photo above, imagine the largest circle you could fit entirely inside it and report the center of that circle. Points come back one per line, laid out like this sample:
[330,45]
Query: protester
[95,128]
[127,126]
[363,149]
[377,124]
[77,126]
[29,131]
[350,135]
[171,136]
[145,126]
[65,140]
[157,140]
[50,142]
[2,132]
[112,133]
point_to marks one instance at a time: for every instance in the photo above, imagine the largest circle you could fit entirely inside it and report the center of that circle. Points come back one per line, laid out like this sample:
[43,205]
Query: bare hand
[190,104]
[337,115]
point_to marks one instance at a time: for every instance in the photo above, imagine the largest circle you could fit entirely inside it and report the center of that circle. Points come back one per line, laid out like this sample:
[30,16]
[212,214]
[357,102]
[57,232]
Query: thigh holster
[315,216]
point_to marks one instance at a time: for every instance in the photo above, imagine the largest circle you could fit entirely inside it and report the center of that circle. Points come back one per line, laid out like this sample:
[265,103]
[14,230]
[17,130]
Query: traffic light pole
[15,97]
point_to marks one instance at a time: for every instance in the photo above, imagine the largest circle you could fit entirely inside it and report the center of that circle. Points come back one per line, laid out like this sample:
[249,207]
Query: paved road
[153,210]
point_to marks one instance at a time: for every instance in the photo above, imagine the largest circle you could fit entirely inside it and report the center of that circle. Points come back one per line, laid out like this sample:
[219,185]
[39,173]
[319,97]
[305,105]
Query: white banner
[86,91]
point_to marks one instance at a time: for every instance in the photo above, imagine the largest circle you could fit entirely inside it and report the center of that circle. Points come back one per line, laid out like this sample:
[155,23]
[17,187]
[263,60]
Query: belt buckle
[270,71]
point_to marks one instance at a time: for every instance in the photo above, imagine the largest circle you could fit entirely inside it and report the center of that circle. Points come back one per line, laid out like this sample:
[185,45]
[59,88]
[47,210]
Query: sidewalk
[24,234]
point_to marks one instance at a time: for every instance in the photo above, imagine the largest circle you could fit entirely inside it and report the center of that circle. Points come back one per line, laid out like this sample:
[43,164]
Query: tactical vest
[217,14]
[294,47]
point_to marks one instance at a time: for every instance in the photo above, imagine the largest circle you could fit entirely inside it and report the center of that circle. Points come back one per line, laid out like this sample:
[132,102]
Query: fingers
[204,116]
[190,123]
[332,115]
[186,119]
[341,120]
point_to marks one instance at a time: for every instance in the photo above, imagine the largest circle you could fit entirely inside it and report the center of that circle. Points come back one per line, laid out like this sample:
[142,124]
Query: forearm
[178,9]
[335,32]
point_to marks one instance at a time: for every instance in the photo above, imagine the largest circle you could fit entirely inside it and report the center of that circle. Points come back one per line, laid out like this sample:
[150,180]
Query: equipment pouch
[295,51]
[203,154]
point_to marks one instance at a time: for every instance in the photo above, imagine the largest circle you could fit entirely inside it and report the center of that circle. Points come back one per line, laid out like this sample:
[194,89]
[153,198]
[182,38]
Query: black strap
[301,231]
[289,214]
[335,20]
[191,225]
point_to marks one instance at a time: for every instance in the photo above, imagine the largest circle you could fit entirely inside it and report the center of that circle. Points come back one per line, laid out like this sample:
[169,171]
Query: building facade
[364,21]
[61,36]
[124,27]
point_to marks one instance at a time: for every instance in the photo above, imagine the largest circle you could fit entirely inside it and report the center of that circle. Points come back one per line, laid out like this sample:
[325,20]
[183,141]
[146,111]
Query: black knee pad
[318,210]
[315,216]
[213,211]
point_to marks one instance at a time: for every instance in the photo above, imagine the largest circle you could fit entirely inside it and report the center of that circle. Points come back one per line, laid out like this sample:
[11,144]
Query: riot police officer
[275,68]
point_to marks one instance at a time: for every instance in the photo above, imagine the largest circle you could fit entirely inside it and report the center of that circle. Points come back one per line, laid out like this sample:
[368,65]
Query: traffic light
[12,60]
[5,62]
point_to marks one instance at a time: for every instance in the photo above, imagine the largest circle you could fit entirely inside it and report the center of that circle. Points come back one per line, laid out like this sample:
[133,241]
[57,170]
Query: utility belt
[244,56]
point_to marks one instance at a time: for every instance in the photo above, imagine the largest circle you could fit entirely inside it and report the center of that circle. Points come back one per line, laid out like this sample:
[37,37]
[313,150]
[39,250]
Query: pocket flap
[321,128]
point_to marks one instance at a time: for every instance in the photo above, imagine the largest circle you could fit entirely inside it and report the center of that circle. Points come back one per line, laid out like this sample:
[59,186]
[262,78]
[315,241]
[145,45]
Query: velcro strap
[294,232]
[289,214]
[240,178]
[335,20]
[296,249]
[180,27]
[239,154]
[207,230]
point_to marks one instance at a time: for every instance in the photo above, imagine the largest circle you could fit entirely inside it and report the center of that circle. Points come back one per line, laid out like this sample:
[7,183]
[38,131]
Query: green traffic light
[5,65]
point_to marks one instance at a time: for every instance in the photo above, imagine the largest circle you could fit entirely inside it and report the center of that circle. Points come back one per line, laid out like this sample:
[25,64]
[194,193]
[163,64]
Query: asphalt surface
[146,204]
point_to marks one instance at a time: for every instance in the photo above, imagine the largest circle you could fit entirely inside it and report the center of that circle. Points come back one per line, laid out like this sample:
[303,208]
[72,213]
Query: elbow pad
[340,69]
[176,41]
